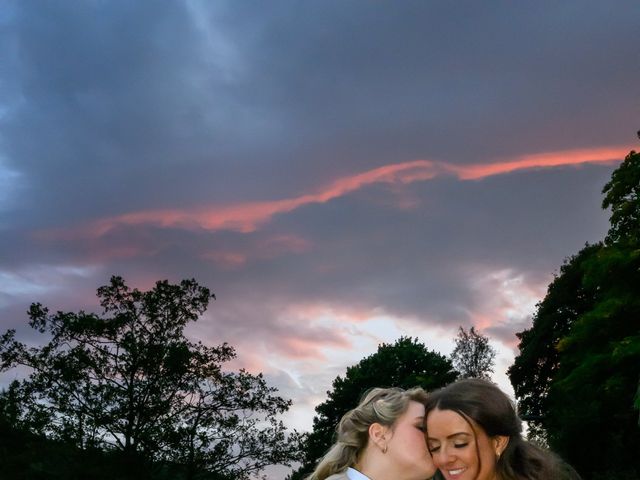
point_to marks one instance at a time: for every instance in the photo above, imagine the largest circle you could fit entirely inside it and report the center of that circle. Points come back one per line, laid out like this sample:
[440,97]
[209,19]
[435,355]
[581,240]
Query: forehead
[442,423]
[414,410]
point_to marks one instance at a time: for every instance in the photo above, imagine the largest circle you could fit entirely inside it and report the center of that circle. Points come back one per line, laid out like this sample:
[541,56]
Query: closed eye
[460,445]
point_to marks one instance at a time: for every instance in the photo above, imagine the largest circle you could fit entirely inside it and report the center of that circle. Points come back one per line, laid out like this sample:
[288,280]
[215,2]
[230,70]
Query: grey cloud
[472,71]
[140,105]
[126,104]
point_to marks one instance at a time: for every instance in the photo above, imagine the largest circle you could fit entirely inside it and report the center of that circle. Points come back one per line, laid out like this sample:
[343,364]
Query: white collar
[354,474]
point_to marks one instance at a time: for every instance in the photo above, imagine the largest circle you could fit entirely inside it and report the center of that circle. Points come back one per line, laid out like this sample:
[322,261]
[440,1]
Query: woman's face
[407,448]
[458,451]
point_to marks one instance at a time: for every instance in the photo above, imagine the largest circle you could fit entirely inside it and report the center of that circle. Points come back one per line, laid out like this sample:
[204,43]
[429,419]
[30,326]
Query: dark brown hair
[482,403]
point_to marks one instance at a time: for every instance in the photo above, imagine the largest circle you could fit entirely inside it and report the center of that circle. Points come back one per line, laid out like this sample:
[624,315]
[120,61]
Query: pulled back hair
[380,405]
[481,403]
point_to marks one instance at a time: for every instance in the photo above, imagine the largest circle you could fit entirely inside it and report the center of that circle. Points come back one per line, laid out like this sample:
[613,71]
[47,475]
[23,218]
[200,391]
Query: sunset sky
[339,173]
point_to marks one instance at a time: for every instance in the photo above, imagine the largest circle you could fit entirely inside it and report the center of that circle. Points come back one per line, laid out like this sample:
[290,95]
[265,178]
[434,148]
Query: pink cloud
[290,341]
[307,343]
[249,216]
[541,160]
[264,249]
[301,348]
[345,314]
[226,259]
[281,244]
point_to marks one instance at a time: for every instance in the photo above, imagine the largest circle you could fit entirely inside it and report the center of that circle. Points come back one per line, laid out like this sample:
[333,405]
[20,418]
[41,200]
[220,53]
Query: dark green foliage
[538,361]
[129,384]
[593,391]
[472,356]
[25,455]
[577,376]
[622,194]
[407,363]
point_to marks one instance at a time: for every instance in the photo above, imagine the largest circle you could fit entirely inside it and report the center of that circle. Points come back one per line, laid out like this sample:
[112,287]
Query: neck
[376,466]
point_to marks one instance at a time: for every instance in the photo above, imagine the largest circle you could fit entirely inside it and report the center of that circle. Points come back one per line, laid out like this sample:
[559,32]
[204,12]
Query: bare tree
[473,357]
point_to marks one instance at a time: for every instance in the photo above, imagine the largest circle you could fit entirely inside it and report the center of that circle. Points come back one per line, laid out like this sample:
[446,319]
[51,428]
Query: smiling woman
[383,437]
[474,433]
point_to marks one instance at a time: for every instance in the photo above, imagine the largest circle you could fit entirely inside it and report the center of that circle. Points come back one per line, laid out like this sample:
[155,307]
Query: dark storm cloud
[170,104]
[450,81]
[127,103]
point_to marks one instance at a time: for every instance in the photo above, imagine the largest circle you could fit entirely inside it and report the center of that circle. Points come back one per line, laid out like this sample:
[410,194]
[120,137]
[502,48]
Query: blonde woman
[382,438]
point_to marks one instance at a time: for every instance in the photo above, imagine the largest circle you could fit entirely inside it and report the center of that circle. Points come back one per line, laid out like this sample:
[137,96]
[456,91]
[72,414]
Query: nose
[443,457]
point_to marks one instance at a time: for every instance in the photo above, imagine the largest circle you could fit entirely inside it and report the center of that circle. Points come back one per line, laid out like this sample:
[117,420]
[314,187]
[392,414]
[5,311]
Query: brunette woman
[474,433]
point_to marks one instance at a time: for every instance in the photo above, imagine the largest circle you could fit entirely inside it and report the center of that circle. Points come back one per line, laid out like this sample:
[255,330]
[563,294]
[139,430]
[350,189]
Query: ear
[499,443]
[378,435]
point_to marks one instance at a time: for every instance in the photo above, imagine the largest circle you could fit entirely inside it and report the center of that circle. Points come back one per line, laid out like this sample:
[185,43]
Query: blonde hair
[379,405]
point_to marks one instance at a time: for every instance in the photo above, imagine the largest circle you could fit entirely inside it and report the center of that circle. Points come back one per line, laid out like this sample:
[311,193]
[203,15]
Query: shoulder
[338,476]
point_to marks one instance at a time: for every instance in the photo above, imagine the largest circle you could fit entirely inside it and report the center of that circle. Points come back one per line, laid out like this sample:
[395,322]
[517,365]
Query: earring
[384,449]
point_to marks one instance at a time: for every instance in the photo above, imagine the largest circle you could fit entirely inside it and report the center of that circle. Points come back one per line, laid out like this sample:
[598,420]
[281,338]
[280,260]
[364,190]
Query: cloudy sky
[339,173]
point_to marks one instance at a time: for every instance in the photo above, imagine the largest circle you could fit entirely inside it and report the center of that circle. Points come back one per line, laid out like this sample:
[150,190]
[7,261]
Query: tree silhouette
[593,390]
[473,356]
[622,195]
[538,360]
[131,381]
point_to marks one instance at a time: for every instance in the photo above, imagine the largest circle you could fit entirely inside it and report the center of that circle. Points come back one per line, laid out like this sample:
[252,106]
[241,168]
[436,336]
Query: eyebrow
[457,434]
